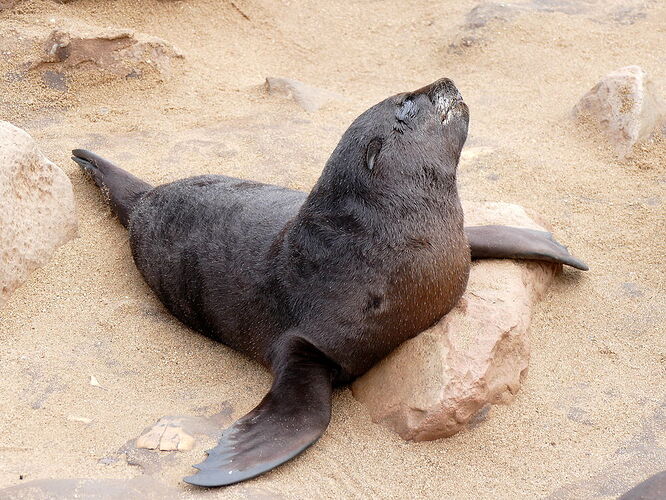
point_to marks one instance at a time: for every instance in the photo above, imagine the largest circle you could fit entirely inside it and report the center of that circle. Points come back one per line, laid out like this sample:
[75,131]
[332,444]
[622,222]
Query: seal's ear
[372,152]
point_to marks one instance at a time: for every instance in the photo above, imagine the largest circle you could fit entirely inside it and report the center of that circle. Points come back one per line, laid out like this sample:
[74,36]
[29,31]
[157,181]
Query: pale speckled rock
[307,97]
[7,4]
[437,383]
[624,107]
[119,52]
[172,433]
[166,435]
[36,208]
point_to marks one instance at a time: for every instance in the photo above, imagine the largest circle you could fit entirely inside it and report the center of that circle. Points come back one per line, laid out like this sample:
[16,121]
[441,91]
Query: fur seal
[318,286]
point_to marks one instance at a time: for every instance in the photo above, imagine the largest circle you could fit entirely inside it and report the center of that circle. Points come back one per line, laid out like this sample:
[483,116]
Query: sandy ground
[589,422]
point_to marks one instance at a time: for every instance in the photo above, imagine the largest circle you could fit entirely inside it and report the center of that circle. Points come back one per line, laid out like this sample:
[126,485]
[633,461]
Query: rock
[83,420]
[474,32]
[117,52]
[7,4]
[653,488]
[143,487]
[624,107]
[485,13]
[564,6]
[307,97]
[36,208]
[166,435]
[443,380]
[176,432]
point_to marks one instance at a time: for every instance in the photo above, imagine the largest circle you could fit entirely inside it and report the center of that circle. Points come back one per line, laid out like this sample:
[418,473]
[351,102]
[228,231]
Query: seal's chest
[422,289]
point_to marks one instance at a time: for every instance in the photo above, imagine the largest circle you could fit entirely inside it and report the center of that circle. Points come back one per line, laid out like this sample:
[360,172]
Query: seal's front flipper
[290,418]
[504,242]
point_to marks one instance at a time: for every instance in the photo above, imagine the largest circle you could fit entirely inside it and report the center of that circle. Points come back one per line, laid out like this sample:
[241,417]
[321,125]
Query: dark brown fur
[317,286]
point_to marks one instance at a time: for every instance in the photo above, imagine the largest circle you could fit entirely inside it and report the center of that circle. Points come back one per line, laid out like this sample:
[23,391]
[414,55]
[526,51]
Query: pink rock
[433,385]
[36,208]
[624,107]
[113,51]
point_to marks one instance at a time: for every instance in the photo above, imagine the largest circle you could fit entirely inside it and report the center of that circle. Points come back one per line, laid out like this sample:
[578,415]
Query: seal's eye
[407,110]
[372,152]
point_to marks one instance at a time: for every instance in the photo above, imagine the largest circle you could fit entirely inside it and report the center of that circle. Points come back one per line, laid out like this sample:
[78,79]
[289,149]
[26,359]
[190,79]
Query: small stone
[166,435]
[446,378]
[632,290]
[472,153]
[94,382]
[624,107]
[83,420]
[36,208]
[307,97]
[485,13]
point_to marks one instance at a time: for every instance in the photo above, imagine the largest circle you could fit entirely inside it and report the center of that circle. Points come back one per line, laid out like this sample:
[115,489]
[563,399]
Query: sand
[590,420]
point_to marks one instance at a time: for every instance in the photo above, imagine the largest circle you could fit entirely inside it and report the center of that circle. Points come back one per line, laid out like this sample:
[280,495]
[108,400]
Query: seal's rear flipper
[290,418]
[122,188]
[504,242]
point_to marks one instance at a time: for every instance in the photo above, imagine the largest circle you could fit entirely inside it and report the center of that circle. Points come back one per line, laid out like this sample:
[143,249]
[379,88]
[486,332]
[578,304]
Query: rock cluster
[36,208]
[446,378]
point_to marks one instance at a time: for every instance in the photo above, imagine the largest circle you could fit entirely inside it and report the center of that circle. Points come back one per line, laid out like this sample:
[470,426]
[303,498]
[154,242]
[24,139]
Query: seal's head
[410,139]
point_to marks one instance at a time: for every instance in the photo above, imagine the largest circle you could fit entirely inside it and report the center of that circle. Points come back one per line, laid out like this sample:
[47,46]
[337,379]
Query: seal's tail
[290,418]
[122,188]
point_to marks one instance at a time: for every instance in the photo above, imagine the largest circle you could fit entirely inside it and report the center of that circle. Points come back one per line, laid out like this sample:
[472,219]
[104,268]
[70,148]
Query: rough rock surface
[436,384]
[36,208]
[7,4]
[473,31]
[624,107]
[117,52]
[177,432]
[307,97]
[166,435]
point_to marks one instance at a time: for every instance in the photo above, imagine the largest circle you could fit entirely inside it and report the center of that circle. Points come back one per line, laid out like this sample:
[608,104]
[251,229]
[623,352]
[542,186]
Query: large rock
[307,97]
[36,208]
[437,383]
[624,107]
[116,52]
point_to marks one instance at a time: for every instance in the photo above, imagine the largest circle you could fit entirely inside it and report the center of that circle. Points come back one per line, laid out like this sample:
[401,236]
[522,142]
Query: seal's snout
[443,94]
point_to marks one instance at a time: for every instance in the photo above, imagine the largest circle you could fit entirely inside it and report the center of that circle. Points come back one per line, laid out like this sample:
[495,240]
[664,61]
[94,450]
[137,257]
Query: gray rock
[485,13]
[653,488]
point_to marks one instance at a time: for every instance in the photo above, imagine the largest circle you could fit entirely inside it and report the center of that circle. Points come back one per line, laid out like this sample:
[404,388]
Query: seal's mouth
[446,98]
